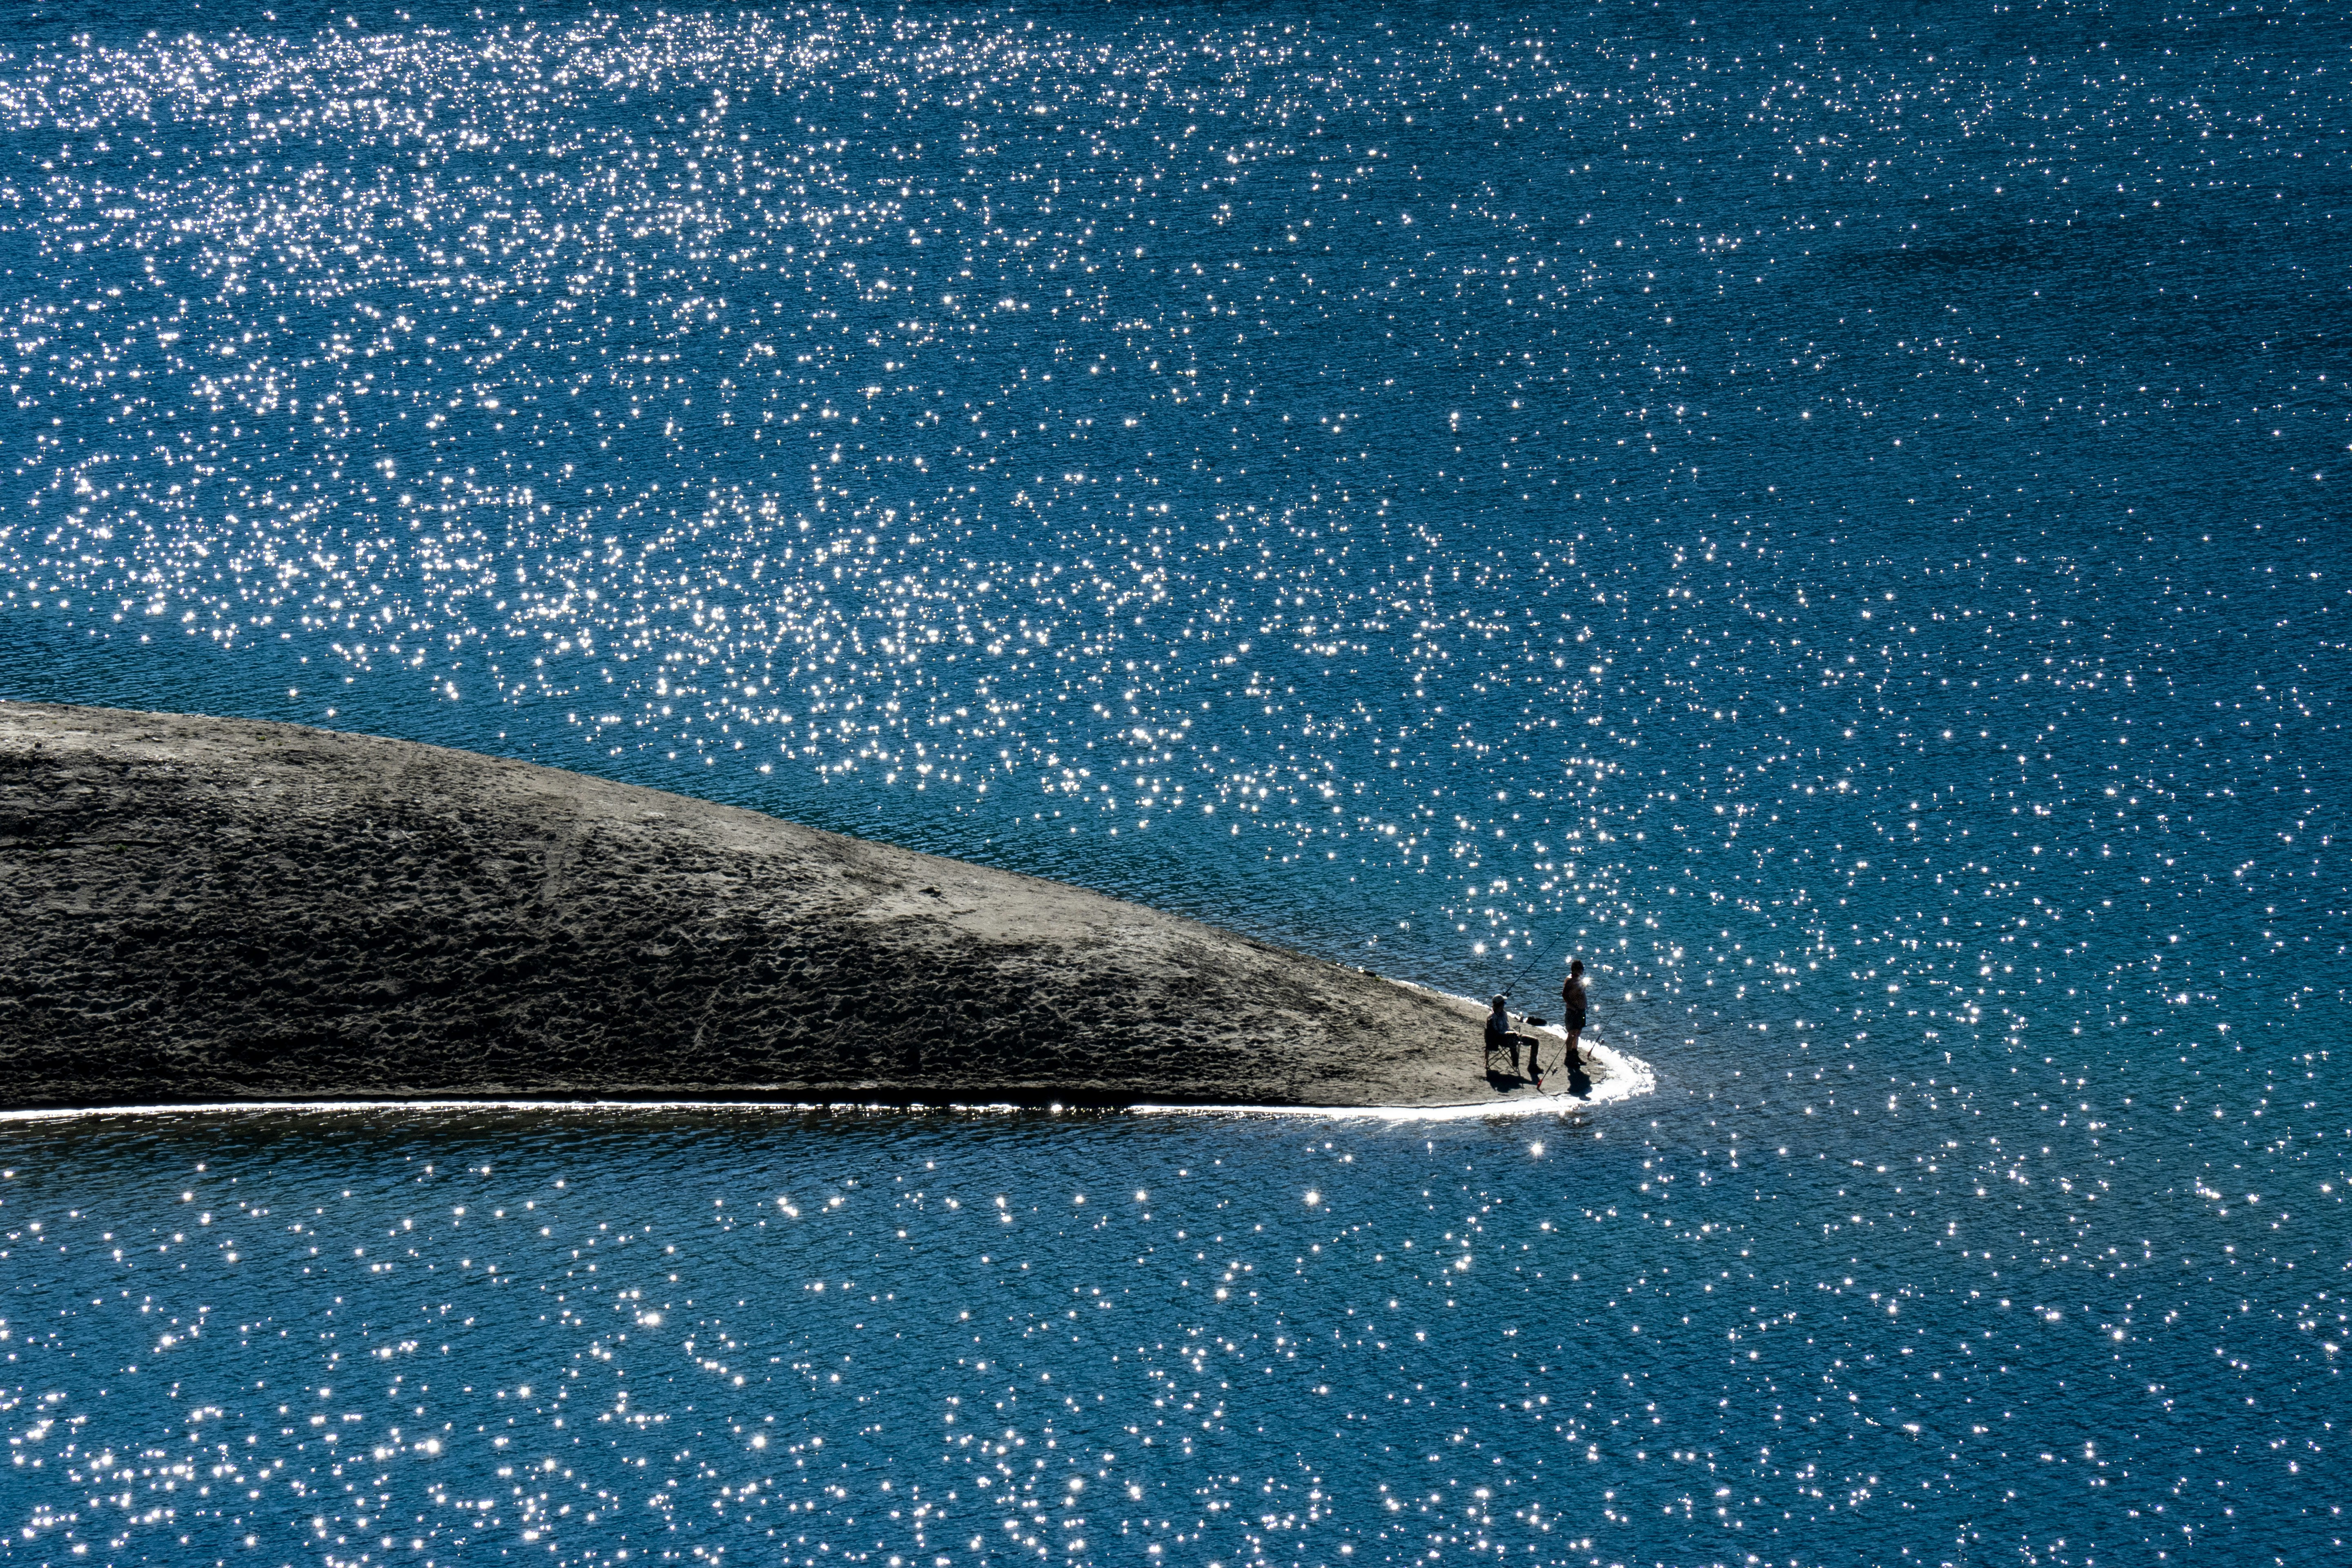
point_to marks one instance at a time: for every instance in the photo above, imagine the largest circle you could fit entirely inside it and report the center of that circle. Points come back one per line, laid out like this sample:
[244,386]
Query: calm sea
[1831,517]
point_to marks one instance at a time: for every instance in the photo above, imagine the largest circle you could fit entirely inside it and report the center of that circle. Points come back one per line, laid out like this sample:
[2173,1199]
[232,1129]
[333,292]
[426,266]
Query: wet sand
[204,911]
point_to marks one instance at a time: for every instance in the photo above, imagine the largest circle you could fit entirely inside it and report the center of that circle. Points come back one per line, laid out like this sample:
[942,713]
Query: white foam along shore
[1618,1078]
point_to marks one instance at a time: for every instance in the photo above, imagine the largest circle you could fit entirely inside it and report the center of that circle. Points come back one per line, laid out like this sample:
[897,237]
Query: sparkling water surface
[1829,518]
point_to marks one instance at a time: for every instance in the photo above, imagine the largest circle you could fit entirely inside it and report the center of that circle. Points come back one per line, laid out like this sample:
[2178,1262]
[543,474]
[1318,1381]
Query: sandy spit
[200,910]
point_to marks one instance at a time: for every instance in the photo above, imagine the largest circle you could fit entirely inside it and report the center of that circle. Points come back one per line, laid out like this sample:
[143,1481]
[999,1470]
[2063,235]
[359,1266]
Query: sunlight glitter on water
[1093,439]
[1828,521]
[667,1331]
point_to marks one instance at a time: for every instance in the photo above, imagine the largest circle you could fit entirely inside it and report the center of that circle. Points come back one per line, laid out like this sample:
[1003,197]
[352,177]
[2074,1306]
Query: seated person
[1500,1036]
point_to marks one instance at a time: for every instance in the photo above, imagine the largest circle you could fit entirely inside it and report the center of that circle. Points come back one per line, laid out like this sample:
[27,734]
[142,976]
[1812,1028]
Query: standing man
[1574,1010]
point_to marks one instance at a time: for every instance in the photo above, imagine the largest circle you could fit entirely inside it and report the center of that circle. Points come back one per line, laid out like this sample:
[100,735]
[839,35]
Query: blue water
[1829,518]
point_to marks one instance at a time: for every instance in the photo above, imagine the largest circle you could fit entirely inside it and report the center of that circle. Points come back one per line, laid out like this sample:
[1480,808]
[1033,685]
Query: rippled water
[1832,521]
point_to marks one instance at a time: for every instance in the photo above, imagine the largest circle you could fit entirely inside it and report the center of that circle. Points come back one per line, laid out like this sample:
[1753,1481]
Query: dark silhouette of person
[1501,1037]
[1575,1009]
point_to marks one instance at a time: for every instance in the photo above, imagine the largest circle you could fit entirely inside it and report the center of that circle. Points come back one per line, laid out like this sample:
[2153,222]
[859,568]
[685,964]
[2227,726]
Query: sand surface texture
[199,909]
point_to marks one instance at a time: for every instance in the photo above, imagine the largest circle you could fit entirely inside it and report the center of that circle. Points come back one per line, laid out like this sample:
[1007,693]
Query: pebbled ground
[196,910]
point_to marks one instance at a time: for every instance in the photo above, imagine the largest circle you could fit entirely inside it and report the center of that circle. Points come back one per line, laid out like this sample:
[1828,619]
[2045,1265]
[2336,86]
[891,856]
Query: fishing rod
[1535,962]
[1548,952]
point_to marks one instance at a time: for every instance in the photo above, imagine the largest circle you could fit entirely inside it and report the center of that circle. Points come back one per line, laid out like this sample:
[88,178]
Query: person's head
[1575,968]
[1498,1003]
